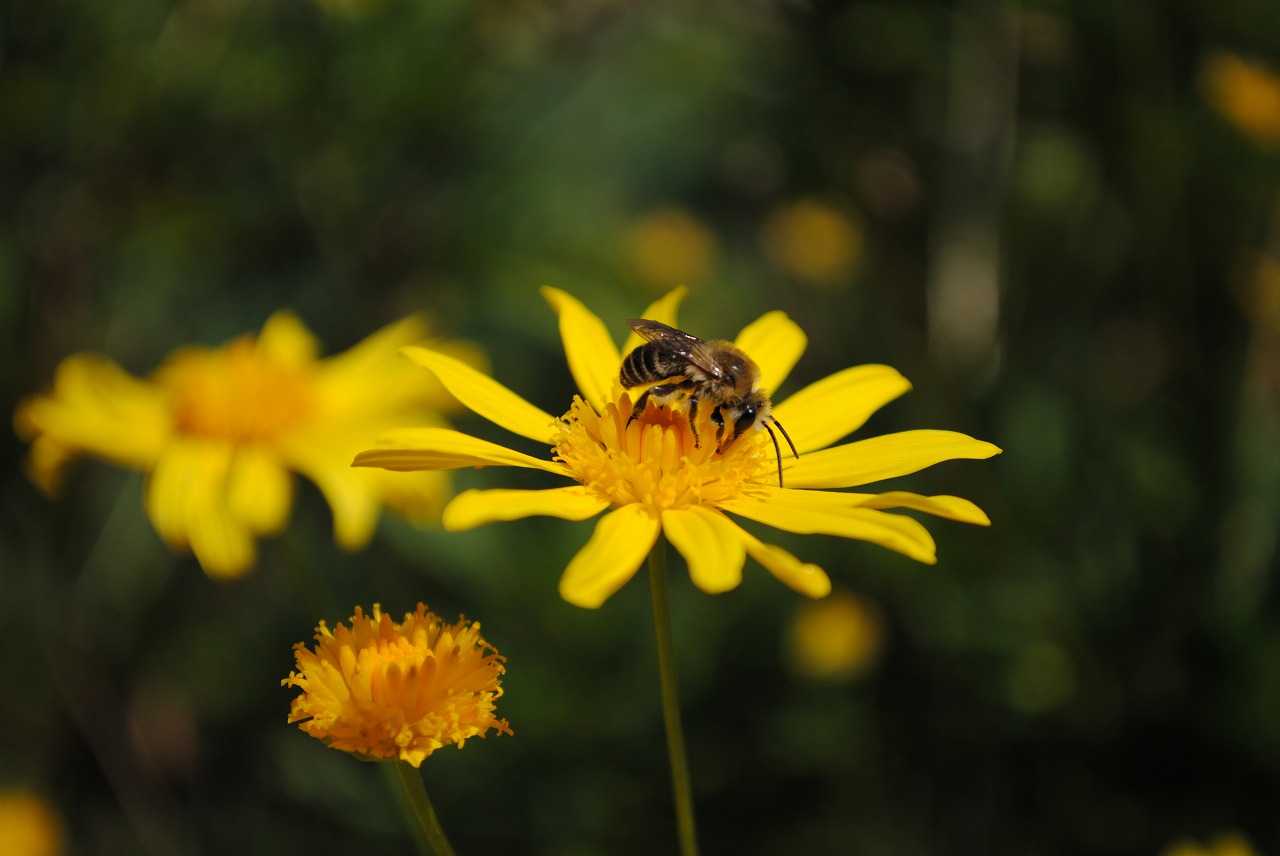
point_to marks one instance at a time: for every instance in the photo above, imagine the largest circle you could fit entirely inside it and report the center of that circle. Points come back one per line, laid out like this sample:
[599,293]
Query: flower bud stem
[411,779]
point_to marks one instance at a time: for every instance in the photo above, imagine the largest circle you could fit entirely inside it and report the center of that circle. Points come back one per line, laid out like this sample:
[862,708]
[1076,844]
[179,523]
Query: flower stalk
[428,822]
[681,790]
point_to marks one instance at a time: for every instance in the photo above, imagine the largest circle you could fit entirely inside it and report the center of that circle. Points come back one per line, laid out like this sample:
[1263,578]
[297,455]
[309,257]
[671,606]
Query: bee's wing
[656,331]
[677,343]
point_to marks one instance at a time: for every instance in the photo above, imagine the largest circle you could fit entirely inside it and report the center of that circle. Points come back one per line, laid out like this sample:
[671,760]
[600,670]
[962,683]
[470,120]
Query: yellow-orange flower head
[652,475]
[384,690]
[218,431]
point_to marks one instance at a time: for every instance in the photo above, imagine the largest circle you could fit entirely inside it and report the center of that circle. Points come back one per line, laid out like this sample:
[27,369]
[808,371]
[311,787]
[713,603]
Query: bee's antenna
[788,436]
[777,450]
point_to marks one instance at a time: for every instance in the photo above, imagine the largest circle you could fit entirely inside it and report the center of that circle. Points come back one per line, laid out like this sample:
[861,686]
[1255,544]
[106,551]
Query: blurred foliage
[1059,219]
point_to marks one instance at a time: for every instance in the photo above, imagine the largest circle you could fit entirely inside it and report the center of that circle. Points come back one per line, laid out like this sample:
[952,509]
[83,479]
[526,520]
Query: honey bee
[713,374]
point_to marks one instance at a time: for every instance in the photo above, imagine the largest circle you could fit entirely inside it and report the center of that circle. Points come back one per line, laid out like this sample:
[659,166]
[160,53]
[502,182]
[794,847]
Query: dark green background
[1092,675]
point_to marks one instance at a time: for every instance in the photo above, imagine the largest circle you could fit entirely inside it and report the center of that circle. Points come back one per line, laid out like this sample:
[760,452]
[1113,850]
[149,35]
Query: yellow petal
[836,406]
[418,497]
[711,545]
[287,340]
[46,462]
[351,493]
[775,342]
[485,396]
[186,499]
[98,408]
[259,489]
[476,507]
[224,547]
[621,540]
[950,507]
[806,578]
[893,531]
[168,490]
[883,457]
[444,449]
[663,310]
[593,357]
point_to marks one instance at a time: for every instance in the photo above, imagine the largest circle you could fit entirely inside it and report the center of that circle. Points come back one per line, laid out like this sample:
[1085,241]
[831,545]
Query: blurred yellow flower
[1226,844]
[29,826]
[385,690]
[1246,93]
[656,477]
[1257,290]
[835,638]
[669,246]
[219,431]
[812,240]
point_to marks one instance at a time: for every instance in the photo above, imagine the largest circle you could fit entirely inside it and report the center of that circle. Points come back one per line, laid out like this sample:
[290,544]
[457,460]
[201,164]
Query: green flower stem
[411,779]
[670,700]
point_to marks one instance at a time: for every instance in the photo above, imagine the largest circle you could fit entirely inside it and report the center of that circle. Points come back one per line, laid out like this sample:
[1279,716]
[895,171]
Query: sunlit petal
[444,449]
[662,310]
[836,406]
[894,531]
[485,395]
[593,357]
[775,342]
[710,544]
[950,507]
[477,507]
[621,540]
[883,457]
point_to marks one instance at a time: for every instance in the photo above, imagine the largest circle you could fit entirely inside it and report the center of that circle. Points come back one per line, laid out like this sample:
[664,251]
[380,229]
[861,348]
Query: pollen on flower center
[656,459]
[236,393]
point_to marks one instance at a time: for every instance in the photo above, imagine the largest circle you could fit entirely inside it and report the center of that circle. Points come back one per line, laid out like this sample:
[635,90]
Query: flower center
[655,459]
[236,393]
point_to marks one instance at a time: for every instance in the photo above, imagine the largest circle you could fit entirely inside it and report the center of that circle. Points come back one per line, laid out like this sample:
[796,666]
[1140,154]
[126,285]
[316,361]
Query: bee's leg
[718,418]
[662,390]
[639,405]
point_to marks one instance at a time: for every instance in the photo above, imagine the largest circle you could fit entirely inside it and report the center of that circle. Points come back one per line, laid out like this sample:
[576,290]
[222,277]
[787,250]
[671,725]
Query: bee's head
[743,415]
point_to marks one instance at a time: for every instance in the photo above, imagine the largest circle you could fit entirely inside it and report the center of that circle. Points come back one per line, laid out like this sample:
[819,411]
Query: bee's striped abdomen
[643,365]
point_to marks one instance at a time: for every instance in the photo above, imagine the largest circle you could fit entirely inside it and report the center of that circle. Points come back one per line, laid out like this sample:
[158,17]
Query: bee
[715,375]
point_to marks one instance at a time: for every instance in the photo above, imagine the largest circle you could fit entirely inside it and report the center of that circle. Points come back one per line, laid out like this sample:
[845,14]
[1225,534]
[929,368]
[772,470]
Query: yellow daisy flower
[385,690]
[656,477]
[219,431]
